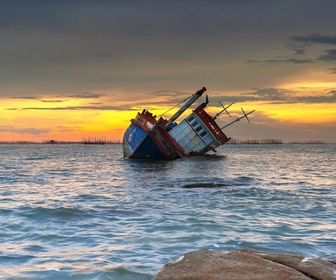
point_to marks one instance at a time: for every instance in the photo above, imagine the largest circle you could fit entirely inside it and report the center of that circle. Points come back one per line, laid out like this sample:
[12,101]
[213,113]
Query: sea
[75,211]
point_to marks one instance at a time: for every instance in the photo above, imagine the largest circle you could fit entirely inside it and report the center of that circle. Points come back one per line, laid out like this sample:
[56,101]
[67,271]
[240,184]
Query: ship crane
[238,119]
[192,99]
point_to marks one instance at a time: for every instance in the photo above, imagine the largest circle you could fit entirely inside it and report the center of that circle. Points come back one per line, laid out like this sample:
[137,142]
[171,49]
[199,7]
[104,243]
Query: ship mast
[192,99]
[238,119]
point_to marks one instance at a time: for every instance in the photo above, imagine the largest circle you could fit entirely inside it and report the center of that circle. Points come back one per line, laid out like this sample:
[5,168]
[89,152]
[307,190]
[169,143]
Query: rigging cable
[176,105]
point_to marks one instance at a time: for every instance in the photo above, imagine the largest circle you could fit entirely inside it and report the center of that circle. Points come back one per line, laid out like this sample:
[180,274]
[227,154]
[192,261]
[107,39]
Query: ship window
[198,129]
[203,133]
[195,123]
[190,119]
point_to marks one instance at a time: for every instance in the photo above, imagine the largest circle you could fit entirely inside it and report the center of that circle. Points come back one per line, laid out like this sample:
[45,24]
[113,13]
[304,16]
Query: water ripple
[79,212]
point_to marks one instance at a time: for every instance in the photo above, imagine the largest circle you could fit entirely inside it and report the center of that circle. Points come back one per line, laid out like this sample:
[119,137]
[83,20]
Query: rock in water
[204,185]
[246,264]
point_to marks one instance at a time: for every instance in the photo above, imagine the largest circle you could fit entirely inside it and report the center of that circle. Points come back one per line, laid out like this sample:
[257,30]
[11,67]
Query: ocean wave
[47,213]
[89,214]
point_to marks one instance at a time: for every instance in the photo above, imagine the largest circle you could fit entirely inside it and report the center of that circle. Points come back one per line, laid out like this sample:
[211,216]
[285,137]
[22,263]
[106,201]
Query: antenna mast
[224,109]
[238,119]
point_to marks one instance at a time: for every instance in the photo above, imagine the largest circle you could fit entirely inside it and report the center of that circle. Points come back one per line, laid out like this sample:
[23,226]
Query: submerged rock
[246,264]
[204,185]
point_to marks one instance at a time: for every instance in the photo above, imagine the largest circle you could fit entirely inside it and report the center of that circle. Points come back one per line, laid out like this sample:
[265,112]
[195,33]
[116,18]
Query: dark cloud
[72,108]
[333,70]
[299,51]
[165,92]
[52,101]
[115,22]
[275,96]
[82,95]
[86,95]
[316,99]
[330,56]
[267,94]
[82,45]
[308,40]
[290,60]
[315,38]
[28,130]
[25,97]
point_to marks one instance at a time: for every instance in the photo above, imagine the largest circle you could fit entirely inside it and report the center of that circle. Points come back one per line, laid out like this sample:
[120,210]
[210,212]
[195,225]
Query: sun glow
[299,112]
[75,119]
[310,85]
[63,120]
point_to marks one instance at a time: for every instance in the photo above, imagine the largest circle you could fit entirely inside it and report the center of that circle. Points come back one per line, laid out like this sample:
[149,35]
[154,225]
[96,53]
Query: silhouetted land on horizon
[99,141]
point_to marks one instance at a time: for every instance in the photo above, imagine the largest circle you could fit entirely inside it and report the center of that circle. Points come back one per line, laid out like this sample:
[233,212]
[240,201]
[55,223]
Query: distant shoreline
[274,141]
[114,142]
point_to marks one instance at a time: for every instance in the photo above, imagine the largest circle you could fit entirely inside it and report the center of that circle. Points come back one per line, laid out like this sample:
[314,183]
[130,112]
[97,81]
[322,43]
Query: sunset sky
[77,69]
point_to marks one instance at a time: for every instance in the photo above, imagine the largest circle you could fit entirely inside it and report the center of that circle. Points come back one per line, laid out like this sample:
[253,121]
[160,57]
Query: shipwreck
[150,137]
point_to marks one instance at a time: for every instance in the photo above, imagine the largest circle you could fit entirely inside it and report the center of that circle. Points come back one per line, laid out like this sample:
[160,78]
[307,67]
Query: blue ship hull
[138,144]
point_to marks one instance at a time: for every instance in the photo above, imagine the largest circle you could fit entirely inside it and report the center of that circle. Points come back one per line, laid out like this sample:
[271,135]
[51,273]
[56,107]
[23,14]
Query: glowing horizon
[75,120]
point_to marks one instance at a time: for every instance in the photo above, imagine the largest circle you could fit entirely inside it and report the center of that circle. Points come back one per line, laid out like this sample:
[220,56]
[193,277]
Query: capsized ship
[150,137]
